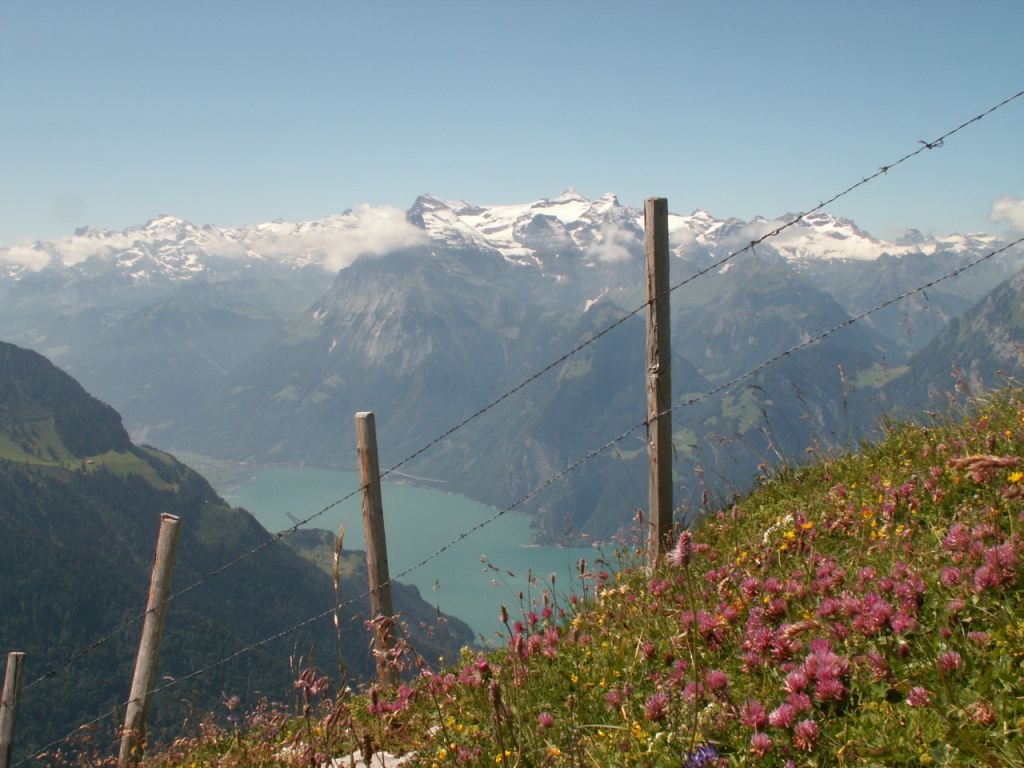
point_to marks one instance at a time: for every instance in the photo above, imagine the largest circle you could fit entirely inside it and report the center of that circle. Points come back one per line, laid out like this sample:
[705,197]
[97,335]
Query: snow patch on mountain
[569,223]
[817,236]
[446,222]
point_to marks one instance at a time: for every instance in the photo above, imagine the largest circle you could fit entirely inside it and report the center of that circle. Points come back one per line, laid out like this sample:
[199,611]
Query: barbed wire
[572,467]
[749,247]
[41,752]
[925,145]
[84,652]
[866,180]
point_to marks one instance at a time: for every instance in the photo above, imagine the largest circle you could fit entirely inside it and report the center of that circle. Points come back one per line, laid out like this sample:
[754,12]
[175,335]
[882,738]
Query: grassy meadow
[863,610]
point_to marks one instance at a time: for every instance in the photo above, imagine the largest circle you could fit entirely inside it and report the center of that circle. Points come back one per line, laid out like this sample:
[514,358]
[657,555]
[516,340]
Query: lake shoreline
[472,558]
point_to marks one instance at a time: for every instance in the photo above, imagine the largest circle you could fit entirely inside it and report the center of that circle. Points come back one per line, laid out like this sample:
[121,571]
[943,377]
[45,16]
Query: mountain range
[258,343]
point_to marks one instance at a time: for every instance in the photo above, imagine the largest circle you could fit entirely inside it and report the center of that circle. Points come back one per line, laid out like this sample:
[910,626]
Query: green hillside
[80,507]
[867,610]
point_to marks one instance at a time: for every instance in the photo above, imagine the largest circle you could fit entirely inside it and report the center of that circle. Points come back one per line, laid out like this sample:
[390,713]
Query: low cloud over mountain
[1009,209]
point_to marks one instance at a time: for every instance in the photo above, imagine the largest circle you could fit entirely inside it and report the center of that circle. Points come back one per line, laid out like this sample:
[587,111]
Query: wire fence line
[594,453]
[936,143]
[925,146]
[625,317]
[710,393]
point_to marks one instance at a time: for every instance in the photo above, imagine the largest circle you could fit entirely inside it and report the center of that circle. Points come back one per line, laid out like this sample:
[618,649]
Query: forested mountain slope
[80,507]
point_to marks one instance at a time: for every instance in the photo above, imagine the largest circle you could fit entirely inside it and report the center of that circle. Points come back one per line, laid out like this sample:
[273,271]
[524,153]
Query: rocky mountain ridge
[602,230]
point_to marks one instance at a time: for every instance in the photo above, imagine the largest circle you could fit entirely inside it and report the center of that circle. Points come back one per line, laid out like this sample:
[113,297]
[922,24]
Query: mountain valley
[258,344]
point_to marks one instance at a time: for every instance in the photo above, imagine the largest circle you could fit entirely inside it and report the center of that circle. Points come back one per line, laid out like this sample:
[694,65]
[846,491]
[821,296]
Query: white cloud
[73,249]
[338,240]
[69,250]
[227,248]
[26,256]
[376,231]
[1008,209]
[752,231]
[366,230]
[613,244]
[683,237]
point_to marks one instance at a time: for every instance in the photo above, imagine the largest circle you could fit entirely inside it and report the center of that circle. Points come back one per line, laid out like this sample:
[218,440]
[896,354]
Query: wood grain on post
[149,646]
[9,705]
[376,544]
[659,377]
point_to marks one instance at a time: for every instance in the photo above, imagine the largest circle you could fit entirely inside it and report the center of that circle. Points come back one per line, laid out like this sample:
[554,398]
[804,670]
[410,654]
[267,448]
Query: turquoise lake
[419,522]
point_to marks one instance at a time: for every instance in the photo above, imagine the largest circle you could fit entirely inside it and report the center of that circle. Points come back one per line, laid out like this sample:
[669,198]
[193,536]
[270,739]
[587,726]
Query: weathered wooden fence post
[376,544]
[149,646]
[659,378]
[9,705]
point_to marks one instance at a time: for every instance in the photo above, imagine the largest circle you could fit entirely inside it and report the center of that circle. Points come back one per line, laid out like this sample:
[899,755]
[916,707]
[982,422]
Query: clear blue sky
[234,112]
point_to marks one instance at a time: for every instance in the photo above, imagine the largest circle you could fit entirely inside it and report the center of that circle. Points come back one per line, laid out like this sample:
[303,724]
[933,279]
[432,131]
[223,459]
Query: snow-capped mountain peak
[528,234]
[164,225]
[523,232]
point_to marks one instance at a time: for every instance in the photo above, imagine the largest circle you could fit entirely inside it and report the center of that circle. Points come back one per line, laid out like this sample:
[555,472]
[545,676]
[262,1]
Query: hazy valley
[259,344]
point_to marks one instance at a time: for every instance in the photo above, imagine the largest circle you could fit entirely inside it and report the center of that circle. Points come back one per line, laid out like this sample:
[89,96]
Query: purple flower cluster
[703,757]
